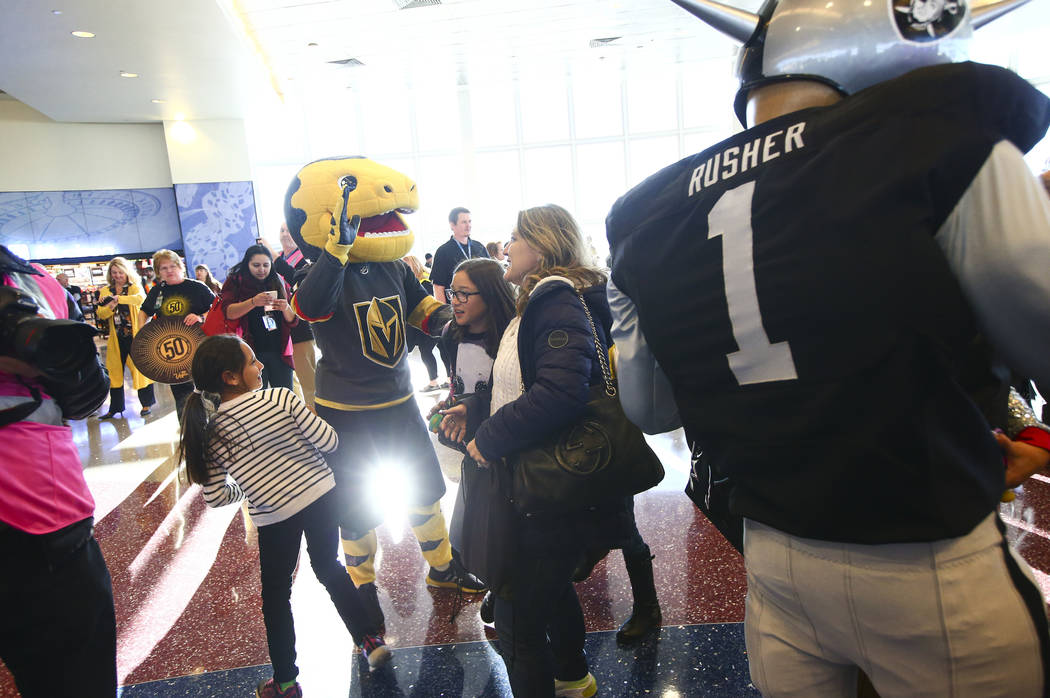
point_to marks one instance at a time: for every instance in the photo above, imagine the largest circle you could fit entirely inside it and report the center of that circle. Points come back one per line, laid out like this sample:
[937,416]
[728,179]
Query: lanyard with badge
[268,321]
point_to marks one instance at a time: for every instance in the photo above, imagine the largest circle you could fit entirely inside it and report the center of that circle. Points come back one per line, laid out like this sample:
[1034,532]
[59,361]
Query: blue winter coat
[558,365]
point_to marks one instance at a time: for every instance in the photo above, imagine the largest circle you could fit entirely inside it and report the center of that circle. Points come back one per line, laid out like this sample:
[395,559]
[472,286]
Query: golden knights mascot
[345,214]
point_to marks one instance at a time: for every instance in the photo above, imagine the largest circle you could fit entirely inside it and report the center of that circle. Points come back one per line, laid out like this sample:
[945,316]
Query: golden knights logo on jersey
[380,322]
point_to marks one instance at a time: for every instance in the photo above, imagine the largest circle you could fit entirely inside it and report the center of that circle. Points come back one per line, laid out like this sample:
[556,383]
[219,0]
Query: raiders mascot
[810,288]
[345,213]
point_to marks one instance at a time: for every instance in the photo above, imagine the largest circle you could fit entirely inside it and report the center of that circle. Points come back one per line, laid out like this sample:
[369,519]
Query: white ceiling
[213,58]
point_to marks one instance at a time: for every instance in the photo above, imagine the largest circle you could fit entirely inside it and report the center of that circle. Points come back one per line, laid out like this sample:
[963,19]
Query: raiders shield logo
[928,20]
[381,325]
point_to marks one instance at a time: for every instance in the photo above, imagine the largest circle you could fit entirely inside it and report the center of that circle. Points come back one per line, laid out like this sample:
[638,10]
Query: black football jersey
[790,285]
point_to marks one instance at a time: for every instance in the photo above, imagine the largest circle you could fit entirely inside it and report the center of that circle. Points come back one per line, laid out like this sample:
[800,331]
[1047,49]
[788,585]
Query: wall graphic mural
[88,223]
[218,223]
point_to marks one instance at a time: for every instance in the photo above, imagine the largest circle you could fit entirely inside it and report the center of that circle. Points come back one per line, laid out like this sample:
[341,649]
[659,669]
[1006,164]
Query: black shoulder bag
[602,457]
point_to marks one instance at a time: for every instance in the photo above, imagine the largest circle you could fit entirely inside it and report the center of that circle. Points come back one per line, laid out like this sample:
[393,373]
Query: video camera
[62,350]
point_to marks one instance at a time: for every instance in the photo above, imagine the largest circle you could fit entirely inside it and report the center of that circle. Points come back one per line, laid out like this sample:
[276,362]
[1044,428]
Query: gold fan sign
[163,349]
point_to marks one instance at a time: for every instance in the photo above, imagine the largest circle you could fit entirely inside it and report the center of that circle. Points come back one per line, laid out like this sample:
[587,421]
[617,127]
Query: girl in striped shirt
[240,442]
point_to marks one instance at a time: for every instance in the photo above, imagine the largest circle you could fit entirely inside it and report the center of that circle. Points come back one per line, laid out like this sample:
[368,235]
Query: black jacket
[558,365]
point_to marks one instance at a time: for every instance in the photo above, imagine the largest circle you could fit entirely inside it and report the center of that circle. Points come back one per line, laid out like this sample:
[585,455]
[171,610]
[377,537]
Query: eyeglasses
[461,296]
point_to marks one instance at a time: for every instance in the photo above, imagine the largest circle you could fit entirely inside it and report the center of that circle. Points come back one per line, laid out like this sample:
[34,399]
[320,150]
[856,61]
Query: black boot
[116,403]
[646,616]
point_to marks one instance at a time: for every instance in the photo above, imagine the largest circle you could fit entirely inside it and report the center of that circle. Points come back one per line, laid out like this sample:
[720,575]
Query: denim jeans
[276,373]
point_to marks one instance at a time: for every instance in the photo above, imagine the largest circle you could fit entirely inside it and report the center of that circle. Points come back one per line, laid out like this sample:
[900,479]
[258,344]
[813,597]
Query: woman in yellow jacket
[119,304]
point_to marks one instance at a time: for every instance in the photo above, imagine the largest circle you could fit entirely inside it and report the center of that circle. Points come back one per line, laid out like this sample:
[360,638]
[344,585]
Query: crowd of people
[848,355]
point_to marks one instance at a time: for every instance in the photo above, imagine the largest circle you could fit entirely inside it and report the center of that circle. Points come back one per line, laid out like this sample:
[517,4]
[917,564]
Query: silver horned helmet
[847,44]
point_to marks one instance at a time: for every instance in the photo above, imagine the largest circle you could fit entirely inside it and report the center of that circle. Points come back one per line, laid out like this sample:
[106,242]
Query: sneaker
[455,577]
[369,596]
[430,387]
[581,688]
[375,651]
[269,689]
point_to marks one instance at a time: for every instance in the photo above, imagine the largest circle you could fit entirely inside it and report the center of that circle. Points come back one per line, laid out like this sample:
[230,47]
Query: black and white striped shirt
[270,446]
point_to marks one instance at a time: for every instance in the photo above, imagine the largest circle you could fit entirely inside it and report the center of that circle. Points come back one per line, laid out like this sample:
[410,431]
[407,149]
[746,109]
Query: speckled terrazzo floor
[186,585]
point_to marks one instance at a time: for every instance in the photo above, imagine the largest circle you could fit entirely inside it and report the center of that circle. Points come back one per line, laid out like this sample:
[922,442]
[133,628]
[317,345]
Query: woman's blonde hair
[552,233]
[166,256]
[124,265]
[413,263]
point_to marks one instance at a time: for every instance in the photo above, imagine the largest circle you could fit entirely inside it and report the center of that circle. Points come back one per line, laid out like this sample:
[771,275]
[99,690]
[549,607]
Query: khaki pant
[305,358]
[956,617]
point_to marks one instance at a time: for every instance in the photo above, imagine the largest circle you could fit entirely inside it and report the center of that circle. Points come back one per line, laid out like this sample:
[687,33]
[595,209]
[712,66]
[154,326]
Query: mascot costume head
[847,44]
[326,193]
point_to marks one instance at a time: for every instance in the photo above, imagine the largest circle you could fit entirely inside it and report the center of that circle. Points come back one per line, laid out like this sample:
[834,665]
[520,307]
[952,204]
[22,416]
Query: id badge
[269,323]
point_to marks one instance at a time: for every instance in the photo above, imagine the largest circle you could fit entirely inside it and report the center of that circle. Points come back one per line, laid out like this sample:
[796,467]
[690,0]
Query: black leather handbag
[601,457]
[490,524]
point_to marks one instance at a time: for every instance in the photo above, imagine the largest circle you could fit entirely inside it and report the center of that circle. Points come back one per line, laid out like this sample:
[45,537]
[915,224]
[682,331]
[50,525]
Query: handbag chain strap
[603,357]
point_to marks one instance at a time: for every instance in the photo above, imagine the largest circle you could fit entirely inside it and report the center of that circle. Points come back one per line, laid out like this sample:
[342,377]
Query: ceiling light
[126,74]
[56,12]
[83,35]
[159,101]
[182,132]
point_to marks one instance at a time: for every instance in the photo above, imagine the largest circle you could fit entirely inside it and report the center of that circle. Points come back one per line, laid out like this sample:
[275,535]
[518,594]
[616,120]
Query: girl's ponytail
[213,358]
[196,419]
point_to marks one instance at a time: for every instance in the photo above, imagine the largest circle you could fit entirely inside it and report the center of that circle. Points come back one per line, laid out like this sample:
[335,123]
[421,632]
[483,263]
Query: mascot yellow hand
[343,231]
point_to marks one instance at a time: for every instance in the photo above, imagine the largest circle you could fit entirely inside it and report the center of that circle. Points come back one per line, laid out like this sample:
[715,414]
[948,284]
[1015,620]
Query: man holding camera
[57,624]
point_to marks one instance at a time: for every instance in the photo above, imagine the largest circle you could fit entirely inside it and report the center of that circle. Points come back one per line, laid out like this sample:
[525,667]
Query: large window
[544,107]
[549,176]
[578,138]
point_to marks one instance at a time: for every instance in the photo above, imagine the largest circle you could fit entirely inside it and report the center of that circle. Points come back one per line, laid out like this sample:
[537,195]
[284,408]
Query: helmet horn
[981,15]
[734,23]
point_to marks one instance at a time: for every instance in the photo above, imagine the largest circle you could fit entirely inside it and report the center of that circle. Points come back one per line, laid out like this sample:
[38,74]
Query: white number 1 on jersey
[756,361]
